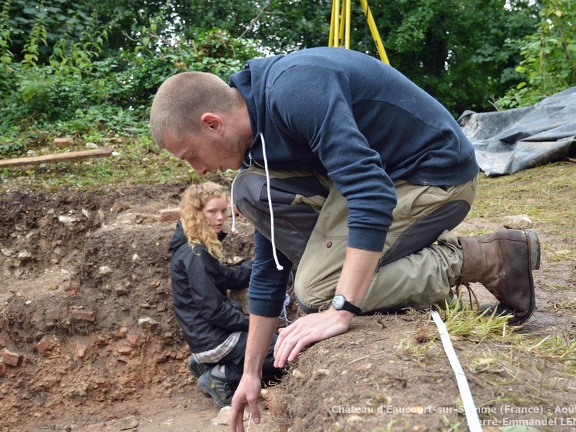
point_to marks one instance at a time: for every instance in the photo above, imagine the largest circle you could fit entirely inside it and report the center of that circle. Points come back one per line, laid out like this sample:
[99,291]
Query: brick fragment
[81,345]
[57,314]
[10,358]
[63,142]
[125,350]
[100,382]
[170,215]
[46,344]
[133,340]
[82,315]
[4,341]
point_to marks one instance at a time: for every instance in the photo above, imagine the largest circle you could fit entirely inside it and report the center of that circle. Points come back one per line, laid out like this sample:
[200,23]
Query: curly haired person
[214,326]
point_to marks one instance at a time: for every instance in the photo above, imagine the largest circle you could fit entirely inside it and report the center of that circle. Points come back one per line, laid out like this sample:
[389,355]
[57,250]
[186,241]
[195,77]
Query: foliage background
[89,69]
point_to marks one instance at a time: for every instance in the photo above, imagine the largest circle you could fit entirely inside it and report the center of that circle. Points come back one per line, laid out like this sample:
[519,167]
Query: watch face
[338,301]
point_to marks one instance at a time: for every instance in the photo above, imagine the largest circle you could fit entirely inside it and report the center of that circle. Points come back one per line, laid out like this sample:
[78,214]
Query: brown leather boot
[503,262]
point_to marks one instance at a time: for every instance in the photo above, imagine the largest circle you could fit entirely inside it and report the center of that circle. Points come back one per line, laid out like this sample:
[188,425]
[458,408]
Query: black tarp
[516,139]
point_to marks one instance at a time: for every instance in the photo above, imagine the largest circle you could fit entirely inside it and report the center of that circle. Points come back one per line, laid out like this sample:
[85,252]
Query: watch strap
[347,306]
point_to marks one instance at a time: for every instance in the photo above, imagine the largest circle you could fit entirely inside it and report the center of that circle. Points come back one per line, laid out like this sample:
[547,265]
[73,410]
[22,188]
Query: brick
[133,340]
[82,315]
[63,142]
[101,383]
[121,332]
[57,314]
[46,344]
[170,215]
[10,358]
[125,350]
[81,345]
[4,341]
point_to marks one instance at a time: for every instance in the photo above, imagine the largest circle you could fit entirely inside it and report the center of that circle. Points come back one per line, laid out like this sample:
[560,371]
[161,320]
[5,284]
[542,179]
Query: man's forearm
[260,334]
[357,274]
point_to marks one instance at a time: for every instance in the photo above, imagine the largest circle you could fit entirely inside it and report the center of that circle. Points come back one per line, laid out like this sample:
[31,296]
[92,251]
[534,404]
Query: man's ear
[212,123]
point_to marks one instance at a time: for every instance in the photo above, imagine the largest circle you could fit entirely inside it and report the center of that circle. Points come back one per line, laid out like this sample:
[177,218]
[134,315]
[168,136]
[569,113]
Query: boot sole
[533,243]
[533,248]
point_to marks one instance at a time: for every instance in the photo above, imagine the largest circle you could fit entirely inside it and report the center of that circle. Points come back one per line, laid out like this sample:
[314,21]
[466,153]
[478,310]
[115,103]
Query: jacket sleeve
[214,307]
[237,277]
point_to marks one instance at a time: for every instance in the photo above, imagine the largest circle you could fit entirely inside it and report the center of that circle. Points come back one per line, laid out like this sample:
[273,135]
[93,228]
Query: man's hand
[307,330]
[248,392]
[355,278]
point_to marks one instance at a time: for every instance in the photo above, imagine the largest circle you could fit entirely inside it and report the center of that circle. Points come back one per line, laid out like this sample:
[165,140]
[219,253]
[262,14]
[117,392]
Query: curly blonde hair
[196,227]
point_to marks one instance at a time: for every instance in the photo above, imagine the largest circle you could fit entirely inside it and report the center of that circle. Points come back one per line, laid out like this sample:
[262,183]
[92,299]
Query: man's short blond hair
[181,101]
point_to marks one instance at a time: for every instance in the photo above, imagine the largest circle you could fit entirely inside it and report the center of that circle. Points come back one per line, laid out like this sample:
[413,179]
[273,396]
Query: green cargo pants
[420,261]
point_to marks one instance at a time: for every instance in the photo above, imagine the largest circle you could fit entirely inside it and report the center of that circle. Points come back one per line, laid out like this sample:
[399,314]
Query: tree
[458,51]
[549,56]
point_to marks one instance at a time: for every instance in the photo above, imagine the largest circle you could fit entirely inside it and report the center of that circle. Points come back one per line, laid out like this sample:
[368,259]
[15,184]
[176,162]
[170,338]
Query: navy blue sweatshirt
[361,122]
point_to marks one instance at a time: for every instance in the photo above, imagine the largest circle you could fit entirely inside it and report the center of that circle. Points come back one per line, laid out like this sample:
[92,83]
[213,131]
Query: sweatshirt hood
[252,85]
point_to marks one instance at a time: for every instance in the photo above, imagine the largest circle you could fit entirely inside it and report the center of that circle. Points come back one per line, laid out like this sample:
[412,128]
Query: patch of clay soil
[89,341]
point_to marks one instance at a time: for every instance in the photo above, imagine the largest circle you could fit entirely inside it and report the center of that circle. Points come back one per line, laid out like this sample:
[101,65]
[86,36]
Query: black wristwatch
[339,302]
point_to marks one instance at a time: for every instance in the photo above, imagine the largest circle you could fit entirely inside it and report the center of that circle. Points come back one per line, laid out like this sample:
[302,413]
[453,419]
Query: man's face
[216,212]
[207,154]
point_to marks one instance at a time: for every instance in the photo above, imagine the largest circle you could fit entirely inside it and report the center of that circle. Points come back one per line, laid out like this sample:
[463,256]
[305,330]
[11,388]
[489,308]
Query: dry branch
[61,157]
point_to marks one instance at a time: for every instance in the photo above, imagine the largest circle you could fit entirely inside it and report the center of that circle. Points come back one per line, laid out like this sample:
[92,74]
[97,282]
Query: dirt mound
[89,342]
[86,316]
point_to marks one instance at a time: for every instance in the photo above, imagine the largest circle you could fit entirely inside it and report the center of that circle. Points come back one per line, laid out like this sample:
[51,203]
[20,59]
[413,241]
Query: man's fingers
[247,394]
[283,333]
[237,412]
[255,411]
[289,347]
[236,421]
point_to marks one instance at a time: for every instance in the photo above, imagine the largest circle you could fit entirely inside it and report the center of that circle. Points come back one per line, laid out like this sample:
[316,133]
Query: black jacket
[199,283]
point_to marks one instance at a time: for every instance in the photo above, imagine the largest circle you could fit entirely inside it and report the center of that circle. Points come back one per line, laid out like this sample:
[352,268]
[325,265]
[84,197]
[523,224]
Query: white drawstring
[284,313]
[232,205]
[278,266]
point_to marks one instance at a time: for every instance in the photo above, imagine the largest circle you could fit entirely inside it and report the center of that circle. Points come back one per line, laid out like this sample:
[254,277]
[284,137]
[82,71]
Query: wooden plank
[61,157]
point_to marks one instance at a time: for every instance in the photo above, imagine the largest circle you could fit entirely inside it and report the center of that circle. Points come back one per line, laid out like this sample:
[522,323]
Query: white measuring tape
[467,400]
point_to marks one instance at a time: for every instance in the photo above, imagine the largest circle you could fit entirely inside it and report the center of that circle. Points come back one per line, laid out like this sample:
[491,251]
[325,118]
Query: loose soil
[89,341]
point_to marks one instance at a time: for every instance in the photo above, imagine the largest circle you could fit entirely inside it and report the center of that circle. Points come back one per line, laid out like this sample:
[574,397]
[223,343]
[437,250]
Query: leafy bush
[78,95]
[549,63]
[12,149]
[140,73]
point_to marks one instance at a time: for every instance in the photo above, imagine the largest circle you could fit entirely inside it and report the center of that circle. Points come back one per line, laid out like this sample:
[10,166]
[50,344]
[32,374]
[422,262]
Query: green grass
[135,160]
[463,320]
[543,193]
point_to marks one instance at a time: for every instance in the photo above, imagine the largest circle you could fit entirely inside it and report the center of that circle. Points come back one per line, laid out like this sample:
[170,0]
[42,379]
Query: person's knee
[309,303]
[247,190]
